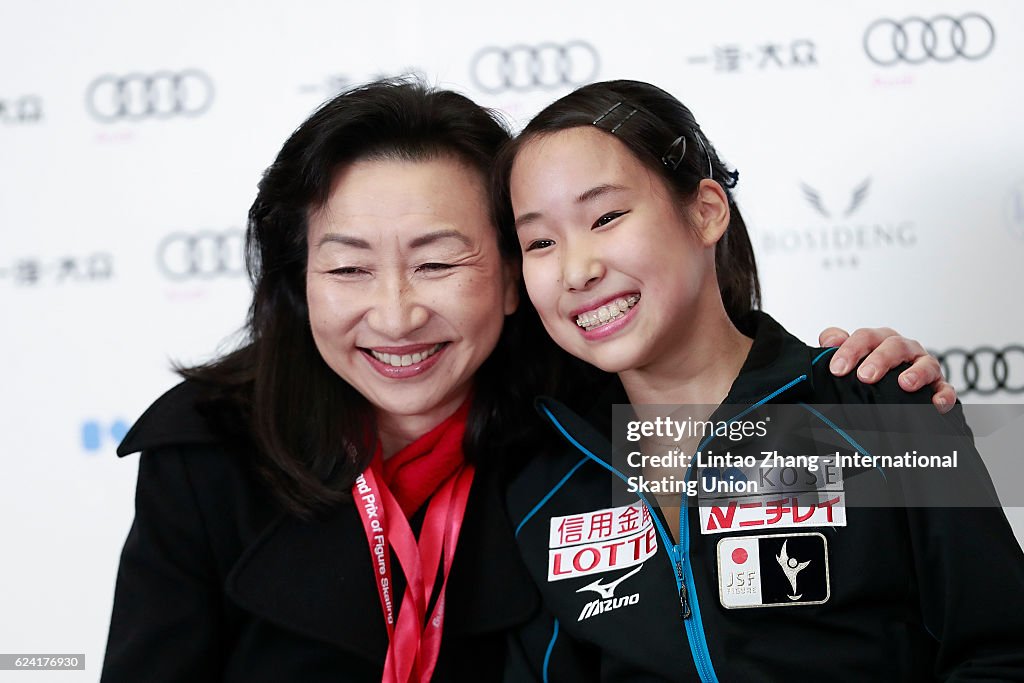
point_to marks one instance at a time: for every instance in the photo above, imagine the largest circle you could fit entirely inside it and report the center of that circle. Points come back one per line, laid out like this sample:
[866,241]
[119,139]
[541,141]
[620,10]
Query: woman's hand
[882,349]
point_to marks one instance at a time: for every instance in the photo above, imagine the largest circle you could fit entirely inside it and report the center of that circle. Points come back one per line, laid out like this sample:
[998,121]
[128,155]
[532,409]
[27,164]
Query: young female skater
[638,262]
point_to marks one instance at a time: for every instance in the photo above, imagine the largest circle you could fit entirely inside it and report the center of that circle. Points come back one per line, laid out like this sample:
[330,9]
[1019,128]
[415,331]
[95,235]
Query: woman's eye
[538,244]
[433,267]
[346,270]
[608,218]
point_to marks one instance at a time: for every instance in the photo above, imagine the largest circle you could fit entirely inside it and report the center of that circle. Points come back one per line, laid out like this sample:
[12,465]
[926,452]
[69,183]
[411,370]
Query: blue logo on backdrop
[98,435]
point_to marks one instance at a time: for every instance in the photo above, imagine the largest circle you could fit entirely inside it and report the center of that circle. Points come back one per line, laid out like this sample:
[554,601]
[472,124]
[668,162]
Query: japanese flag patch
[782,570]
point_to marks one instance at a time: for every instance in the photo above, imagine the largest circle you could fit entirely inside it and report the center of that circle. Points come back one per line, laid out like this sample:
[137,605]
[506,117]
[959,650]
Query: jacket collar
[776,358]
[777,362]
[172,420]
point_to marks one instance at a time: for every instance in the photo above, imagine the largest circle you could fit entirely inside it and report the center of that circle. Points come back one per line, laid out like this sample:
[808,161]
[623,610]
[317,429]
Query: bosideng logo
[839,230]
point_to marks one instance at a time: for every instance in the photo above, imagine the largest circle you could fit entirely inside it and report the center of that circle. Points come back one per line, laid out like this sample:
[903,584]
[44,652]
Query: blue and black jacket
[897,593]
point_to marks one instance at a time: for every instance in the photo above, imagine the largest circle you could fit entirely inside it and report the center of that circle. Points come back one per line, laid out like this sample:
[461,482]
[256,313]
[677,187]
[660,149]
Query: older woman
[323,503]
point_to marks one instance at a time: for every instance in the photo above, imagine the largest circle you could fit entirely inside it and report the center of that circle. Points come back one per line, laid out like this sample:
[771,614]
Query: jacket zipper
[689,609]
[693,626]
[684,569]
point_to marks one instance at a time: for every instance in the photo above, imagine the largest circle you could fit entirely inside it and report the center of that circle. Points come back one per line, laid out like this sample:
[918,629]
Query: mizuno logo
[607,590]
[608,601]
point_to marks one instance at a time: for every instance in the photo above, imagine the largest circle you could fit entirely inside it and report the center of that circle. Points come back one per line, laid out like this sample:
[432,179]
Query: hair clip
[673,156]
[675,153]
[632,110]
[700,140]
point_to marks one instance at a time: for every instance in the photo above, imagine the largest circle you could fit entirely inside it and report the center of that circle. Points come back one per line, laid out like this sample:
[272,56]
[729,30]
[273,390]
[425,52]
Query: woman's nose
[396,310]
[581,268]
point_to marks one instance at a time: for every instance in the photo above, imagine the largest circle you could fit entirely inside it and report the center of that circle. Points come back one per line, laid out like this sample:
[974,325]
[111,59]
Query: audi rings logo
[160,95]
[942,39]
[985,370]
[522,68]
[202,255]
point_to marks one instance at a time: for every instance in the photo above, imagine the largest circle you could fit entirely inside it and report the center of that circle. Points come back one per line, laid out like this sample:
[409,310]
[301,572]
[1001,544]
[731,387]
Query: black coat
[215,583]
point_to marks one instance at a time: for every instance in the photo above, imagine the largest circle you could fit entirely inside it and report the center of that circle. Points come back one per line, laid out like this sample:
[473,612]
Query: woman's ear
[710,211]
[511,273]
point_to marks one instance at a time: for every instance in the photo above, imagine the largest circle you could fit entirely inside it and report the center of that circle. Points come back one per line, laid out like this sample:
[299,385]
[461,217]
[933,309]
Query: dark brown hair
[314,433]
[648,121]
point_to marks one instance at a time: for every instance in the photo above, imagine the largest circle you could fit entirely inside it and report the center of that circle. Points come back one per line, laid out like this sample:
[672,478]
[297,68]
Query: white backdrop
[880,162]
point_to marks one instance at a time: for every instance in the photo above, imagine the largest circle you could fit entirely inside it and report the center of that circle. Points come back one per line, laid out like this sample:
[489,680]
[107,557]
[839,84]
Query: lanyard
[413,644]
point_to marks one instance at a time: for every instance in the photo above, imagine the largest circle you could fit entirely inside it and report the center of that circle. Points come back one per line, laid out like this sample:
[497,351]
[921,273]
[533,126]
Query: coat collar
[172,420]
[314,577]
[776,361]
[776,358]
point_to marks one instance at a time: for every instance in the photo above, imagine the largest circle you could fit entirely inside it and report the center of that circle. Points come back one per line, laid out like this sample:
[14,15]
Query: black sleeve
[167,622]
[969,566]
[971,577]
[967,563]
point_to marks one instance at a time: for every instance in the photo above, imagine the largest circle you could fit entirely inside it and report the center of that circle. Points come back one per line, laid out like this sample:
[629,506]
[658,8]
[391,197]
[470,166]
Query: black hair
[313,433]
[654,126]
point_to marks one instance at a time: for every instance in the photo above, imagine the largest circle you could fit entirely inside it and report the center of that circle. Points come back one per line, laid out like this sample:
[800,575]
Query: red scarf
[432,467]
[414,473]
